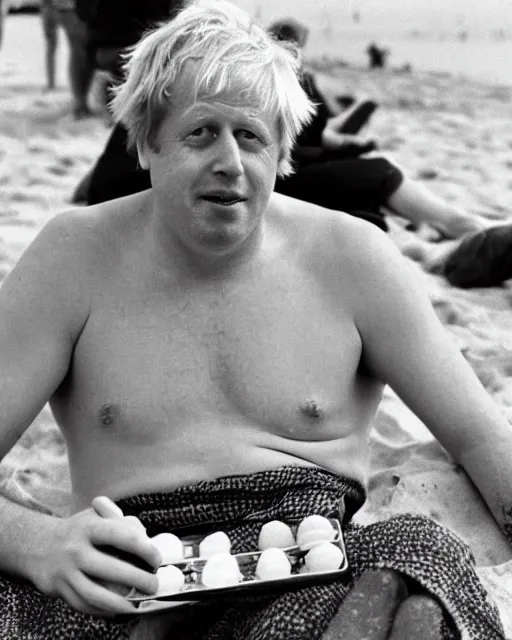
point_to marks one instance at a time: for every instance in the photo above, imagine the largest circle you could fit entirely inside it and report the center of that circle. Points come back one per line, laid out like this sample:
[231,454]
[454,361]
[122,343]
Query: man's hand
[75,565]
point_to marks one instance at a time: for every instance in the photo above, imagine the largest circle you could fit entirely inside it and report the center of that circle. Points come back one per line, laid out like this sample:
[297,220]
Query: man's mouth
[225,199]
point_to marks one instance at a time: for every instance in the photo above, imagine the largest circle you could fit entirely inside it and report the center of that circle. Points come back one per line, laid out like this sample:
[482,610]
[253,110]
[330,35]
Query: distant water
[485,60]
[437,25]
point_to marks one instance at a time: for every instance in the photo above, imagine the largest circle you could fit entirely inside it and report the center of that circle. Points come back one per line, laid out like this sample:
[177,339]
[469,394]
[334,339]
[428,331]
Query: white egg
[314,530]
[170,547]
[273,564]
[221,570]
[170,579]
[324,557]
[275,534]
[214,543]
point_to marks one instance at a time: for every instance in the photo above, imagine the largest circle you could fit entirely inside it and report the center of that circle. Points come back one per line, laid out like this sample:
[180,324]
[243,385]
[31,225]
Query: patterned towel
[239,505]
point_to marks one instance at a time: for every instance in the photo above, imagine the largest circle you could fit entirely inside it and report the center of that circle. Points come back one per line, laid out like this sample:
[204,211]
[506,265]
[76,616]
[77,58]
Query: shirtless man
[209,328]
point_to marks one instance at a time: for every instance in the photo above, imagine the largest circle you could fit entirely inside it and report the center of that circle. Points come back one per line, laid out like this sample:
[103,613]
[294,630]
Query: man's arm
[406,346]
[44,305]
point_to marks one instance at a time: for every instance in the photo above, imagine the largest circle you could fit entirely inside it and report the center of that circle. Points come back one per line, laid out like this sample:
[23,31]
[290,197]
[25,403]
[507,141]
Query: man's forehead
[223,105]
[238,92]
[226,103]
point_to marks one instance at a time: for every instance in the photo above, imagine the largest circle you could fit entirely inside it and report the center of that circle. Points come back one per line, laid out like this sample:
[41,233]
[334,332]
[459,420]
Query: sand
[452,134]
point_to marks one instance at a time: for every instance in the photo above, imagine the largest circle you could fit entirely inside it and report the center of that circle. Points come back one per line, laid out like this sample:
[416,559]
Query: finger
[126,537]
[134,520]
[70,596]
[106,508]
[105,567]
[97,597]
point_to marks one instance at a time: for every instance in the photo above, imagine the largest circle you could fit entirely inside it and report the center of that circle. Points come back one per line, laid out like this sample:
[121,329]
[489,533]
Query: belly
[103,465]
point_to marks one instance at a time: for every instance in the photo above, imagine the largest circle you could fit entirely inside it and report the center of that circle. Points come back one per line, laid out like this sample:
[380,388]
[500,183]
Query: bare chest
[268,356]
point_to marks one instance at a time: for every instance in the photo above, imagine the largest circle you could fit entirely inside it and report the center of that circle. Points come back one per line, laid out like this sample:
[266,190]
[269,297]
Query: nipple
[311,409]
[107,414]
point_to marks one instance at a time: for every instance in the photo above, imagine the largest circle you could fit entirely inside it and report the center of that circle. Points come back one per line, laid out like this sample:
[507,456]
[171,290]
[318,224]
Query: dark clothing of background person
[114,25]
[340,180]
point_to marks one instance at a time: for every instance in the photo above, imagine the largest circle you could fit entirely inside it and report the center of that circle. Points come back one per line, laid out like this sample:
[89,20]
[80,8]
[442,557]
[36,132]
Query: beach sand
[453,134]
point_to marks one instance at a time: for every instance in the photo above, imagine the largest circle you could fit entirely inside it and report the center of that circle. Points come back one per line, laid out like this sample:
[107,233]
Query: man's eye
[248,135]
[197,133]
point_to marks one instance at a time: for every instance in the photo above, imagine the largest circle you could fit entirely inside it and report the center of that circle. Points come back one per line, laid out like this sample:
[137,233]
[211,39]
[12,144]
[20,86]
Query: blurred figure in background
[333,168]
[3,12]
[55,13]
[339,117]
[377,56]
[110,33]
[112,26]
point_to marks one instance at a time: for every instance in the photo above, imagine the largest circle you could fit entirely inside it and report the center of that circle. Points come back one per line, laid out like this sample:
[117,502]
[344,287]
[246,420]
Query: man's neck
[178,258]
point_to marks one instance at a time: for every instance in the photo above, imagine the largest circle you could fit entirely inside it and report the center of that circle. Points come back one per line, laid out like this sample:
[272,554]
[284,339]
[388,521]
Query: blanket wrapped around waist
[415,546]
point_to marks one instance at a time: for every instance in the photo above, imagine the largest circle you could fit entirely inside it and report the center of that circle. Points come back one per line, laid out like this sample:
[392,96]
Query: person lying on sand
[214,354]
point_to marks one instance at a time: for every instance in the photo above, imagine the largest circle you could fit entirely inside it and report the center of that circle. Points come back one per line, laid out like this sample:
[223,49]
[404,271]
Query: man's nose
[228,159]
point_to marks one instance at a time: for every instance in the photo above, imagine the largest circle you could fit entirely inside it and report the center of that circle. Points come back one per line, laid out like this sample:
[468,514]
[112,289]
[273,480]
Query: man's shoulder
[77,230]
[351,253]
[71,246]
[92,229]
[334,233]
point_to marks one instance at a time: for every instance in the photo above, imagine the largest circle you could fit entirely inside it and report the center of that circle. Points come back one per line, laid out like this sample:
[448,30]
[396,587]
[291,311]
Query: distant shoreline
[481,60]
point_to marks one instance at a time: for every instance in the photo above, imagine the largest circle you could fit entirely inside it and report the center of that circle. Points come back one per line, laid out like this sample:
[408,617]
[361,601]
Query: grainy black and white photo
[255,311]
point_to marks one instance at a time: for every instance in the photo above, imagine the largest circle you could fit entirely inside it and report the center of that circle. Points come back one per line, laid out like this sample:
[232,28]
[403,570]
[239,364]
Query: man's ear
[142,154]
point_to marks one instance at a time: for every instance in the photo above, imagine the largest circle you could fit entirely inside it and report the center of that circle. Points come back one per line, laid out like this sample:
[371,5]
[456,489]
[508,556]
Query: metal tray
[194,590]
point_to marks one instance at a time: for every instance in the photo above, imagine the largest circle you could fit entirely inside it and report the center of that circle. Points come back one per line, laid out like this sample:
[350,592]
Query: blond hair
[234,56]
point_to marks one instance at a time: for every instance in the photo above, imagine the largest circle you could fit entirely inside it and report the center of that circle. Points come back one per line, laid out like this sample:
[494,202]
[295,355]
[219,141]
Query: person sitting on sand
[214,354]
[337,129]
[81,71]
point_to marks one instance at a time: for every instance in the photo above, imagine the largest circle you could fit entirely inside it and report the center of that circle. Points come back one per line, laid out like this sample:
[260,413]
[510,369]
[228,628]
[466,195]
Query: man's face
[213,168]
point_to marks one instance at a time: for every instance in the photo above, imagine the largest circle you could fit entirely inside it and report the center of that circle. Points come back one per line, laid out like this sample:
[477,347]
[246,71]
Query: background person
[111,29]
[4,7]
[62,13]
[333,170]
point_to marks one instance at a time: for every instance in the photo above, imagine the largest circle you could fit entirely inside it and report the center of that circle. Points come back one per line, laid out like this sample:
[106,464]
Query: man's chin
[221,243]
